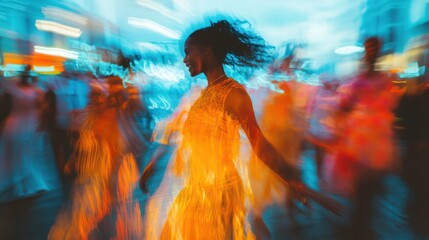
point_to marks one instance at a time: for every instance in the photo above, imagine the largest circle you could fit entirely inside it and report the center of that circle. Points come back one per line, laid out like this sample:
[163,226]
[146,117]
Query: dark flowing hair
[234,43]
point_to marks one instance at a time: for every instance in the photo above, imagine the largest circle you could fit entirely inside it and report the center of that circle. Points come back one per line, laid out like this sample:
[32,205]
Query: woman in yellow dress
[211,204]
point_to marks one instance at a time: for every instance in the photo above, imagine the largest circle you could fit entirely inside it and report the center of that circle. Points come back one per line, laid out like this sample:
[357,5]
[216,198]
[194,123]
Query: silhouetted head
[224,43]
[372,50]
[25,78]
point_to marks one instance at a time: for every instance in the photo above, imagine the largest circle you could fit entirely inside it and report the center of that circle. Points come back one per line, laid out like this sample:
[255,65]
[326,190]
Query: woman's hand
[303,194]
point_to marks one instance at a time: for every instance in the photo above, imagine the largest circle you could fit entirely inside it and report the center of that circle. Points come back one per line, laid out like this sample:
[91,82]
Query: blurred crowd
[360,129]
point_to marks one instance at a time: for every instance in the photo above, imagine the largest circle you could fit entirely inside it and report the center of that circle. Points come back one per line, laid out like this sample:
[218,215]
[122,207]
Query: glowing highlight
[57,52]
[153,26]
[54,27]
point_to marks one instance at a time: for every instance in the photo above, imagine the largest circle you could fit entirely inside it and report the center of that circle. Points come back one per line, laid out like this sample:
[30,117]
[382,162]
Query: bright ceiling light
[160,9]
[153,26]
[59,52]
[347,50]
[58,13]
[49,26]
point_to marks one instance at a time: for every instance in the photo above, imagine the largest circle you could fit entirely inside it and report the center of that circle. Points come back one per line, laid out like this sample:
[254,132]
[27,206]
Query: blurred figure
[135,106]
[5,104]
[366,150]
[279,126]
[69,92]
[49,124]
[138,118]
[106,172]
[321,130]
[211,204]
[413,110]
[267,187]
[26,157]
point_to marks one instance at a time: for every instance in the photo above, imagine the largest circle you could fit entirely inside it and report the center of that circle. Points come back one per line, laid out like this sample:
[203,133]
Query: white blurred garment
[321,115]
[27,165]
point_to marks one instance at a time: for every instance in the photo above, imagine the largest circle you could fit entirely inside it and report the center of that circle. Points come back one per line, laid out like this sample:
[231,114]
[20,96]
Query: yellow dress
[211,204]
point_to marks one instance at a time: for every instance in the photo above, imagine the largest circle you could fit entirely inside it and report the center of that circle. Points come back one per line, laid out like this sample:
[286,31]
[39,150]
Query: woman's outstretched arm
[239,105]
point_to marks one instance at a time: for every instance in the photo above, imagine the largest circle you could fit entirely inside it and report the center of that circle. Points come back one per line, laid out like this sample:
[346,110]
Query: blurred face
[194,57]
[114,87]
[96,96]
[371,52]
[285,65]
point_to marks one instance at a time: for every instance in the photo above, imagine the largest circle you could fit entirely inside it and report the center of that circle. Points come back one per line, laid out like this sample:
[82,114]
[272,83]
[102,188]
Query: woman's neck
[215,75]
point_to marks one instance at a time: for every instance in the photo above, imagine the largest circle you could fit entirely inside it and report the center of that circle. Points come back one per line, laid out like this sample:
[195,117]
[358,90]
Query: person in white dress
[27,165]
